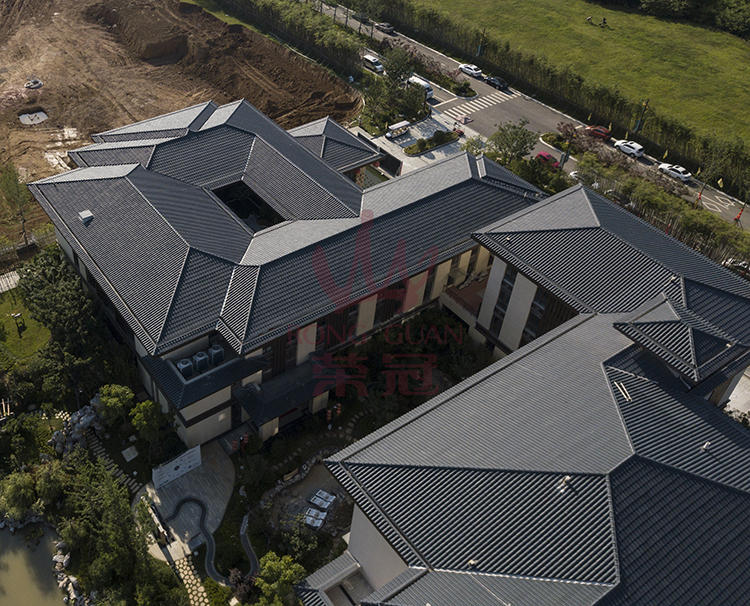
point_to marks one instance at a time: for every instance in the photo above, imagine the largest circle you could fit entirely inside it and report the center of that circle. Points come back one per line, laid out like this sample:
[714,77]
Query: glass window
[503,299]
[538,305]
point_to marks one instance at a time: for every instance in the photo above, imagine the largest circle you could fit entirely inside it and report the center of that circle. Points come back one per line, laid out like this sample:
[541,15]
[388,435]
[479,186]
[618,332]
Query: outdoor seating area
[315,517]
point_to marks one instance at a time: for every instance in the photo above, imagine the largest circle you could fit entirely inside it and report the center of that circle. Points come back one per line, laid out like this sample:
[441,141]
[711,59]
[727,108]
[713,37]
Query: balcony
[465,299]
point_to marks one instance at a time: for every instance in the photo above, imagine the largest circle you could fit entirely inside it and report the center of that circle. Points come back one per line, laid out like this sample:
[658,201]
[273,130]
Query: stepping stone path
[130,483]
[186,571]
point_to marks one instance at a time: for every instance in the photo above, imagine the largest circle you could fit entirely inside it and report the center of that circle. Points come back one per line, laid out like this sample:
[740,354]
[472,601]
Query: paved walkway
[186,571]
[130,483]
[207,537]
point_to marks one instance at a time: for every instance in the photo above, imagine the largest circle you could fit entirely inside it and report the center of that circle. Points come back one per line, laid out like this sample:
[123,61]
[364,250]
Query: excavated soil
[106,63]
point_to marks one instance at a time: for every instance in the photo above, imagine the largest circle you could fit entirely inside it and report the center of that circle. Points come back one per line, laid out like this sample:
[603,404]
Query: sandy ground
[106,63]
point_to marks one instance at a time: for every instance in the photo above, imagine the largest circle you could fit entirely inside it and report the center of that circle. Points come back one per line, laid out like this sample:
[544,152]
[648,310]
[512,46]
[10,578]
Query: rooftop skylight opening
[251,209]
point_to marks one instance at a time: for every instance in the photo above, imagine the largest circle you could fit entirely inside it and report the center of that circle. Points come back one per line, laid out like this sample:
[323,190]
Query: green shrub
[439,137]
[421,144]
[217,594]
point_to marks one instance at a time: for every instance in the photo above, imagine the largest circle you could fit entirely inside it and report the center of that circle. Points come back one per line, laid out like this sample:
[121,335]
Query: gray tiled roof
[175,261]
[336,145]
[182,392]
[180,121]
[477,474]
[598,256]
[681,540]
[447,588]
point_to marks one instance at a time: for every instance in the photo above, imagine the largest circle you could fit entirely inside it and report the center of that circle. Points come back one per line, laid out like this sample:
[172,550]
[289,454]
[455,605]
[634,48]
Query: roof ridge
[172,113]
[534,472]
[174,292]
[452,392]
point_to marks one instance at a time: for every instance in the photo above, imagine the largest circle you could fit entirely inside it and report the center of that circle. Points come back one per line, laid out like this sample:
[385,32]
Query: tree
[276,577]
[50,481]
[17,494]
[147,420]
[512,140]
[299,541]
[115,400]
[54,297]
[398,63]
[474,145]
[15,194]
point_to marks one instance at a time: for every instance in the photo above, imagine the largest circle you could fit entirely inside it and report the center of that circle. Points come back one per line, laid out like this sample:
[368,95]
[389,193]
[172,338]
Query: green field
[695,74]
[24,338]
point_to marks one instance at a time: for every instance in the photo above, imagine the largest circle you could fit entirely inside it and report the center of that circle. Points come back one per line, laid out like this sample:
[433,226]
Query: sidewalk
[421,130]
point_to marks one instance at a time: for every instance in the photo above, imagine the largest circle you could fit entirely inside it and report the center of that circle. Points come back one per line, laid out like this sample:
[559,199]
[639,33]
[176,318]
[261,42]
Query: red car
[599,132]
[547,159]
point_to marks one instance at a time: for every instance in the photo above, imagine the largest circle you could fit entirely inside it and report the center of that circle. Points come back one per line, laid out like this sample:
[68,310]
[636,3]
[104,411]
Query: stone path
[186,571]
[130,483]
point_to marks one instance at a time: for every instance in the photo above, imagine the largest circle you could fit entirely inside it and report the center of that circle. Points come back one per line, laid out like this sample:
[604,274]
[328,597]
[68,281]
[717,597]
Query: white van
[373,63]
[423,83]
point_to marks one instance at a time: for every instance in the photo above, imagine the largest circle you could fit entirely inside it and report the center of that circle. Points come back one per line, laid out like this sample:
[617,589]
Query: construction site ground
[106,63]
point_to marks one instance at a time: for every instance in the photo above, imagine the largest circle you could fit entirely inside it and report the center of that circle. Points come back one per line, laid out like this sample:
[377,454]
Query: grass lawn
[24,341]
[687,71]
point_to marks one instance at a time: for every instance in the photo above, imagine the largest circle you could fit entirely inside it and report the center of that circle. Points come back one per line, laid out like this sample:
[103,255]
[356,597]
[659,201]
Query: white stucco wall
[441,277]
[253,378]
[207,403]
[319,402]
[268,430]
[64,244]
[366,317]
[482,259]
[306,342]
[494,282]
[207,429]
[519,306]
[463,264]
[415,291]
[379,561]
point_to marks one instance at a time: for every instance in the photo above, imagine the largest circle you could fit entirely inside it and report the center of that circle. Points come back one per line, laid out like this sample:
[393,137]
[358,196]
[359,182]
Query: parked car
[386,28]
[547,159]
[631,148]
[471,70]
[598,131]
[497,83]
[371,62]
[675,171]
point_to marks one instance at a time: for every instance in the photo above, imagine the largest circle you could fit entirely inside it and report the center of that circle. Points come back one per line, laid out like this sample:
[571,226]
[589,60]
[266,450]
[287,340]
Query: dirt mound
[90,55]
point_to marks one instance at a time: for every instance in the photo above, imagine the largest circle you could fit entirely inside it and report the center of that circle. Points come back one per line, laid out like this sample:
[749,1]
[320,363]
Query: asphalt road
[492,107]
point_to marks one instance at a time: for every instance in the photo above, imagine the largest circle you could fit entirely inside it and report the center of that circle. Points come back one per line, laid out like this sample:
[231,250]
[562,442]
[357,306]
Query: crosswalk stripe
[477,104]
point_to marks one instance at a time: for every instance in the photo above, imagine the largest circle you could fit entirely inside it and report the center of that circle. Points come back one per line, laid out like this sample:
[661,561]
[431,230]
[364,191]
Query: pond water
[26,577]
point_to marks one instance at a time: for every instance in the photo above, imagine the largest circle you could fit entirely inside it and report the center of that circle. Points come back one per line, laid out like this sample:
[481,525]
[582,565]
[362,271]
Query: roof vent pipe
[705,446]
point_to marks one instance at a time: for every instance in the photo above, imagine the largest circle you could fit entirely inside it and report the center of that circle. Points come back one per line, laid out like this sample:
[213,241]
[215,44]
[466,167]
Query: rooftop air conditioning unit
[216,353]
[185,367]
[201,361]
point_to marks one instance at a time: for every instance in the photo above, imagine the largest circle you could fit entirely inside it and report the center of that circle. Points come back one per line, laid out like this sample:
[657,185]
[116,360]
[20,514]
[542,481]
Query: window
[390,302]
[268,358]
[428,285]
[538,305]
[290,353]
[503,299]
[321,335]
